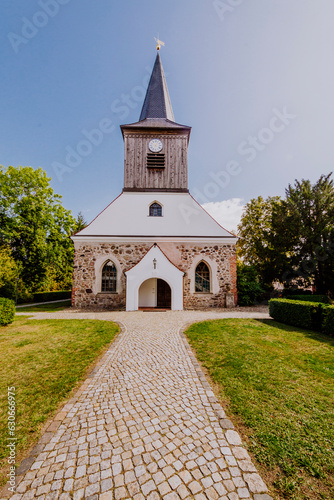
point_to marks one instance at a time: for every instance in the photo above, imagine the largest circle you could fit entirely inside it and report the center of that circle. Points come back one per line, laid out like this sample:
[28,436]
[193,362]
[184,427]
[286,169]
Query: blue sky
[253,78]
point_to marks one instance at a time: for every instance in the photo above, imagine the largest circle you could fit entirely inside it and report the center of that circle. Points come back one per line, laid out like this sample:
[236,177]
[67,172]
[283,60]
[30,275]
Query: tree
[35,225]
[8,267]
[248,285]
[292,240]
[255,231]
[81,223]
[306,216]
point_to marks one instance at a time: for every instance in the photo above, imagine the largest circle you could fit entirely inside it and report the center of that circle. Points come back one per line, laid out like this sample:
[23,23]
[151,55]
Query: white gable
[154,265]
[128,215]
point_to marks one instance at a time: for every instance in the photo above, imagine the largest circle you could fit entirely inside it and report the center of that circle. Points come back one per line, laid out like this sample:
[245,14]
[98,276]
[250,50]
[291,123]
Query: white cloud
[227,213]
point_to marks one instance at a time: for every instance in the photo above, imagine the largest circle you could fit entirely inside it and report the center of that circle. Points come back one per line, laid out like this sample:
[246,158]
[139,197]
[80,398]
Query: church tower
[154,246]
[156,146]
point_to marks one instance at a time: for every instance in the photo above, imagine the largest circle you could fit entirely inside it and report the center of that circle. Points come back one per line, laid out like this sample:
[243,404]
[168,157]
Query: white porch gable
[154,264]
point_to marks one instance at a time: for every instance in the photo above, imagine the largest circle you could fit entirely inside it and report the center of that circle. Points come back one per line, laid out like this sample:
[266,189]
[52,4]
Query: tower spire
[157,102]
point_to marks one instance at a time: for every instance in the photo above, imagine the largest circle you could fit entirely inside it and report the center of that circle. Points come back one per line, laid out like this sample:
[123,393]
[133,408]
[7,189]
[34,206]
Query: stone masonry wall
[127,255]
[225,258]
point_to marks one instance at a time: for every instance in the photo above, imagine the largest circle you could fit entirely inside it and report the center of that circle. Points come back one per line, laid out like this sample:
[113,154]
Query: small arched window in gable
[109,277]
[155,210]
[202,278]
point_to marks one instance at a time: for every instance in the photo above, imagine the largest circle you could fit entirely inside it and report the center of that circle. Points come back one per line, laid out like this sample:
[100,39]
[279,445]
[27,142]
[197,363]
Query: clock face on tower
[155,145]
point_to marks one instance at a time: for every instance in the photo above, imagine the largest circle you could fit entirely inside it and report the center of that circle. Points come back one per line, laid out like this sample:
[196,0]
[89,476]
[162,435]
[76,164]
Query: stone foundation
[90,258]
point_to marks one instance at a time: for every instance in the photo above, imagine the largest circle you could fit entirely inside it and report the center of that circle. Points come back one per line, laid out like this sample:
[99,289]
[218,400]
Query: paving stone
[221,490]
[120,493]
[246,466]
[133,488]
[233,496]
[194,487]
[144,425]
[171,496]
[148,487]
[154,496]
[92,489]
[79,494]
[164,488]
[106,485]
[243,493]
[239,482]
[240,453]
[108,495]
[229,485]
[255,483]
[183,491]
[68,485]
[185,476]
[174,481]
[211,493]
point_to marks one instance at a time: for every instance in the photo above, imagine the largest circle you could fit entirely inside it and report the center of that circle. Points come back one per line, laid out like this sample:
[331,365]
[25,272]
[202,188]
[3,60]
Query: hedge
[7,311]
[310,298]
[49,296]
[307,315]
[328,320]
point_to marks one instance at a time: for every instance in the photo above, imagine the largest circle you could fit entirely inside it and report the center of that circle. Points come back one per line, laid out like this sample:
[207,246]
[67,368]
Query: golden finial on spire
[159,43]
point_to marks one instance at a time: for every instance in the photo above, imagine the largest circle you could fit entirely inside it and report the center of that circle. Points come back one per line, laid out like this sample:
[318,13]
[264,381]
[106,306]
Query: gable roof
[128,216]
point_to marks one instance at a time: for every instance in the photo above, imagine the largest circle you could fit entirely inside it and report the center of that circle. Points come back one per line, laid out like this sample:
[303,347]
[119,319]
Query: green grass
[58,306]
[276,382]
[44,360]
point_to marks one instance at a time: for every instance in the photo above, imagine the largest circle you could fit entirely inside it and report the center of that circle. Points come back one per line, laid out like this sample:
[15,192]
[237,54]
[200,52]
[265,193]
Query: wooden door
[164,294]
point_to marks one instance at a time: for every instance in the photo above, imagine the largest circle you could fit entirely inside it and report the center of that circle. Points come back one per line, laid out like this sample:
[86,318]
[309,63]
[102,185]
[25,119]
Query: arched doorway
[155,293]
[164,294]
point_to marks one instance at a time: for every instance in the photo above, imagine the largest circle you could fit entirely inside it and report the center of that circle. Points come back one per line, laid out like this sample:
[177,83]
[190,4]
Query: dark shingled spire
[157,101]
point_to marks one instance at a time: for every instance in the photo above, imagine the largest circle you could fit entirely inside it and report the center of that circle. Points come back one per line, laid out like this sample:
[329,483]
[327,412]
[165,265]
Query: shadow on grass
[311,334]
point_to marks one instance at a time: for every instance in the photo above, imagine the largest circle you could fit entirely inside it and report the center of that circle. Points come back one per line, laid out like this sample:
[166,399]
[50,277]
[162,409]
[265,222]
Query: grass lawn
[44,360]
[58,306]
[276,382]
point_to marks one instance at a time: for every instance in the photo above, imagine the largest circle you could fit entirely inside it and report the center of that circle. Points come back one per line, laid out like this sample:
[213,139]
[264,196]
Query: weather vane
[159,43]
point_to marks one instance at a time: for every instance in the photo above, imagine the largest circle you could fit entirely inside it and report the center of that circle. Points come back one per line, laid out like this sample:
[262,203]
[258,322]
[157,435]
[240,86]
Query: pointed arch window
[202,278]
[109,277]
[155,210]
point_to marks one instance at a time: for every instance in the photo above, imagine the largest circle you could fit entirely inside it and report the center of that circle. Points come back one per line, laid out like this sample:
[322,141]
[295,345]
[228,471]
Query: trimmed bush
[7,311]
[306,315]
[328,320]
[49,296]
[310,298]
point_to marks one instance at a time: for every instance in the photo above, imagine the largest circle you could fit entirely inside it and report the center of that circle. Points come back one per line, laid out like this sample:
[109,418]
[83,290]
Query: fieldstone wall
[226,274]
[86,285]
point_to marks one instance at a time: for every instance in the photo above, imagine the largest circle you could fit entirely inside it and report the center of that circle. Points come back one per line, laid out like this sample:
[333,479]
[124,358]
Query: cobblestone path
[145,425]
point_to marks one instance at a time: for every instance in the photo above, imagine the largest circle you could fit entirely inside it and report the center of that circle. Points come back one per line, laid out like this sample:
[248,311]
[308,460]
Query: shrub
[249,288]
[328,320]
[304,314]
[295,291]
[49,296]
[310,298]
[7,311]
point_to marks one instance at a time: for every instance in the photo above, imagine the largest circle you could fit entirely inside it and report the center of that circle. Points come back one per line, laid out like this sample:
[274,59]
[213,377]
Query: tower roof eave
[156,124]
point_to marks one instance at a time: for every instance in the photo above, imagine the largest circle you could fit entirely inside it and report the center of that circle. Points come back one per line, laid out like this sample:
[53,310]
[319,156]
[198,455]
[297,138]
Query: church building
[154,246]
